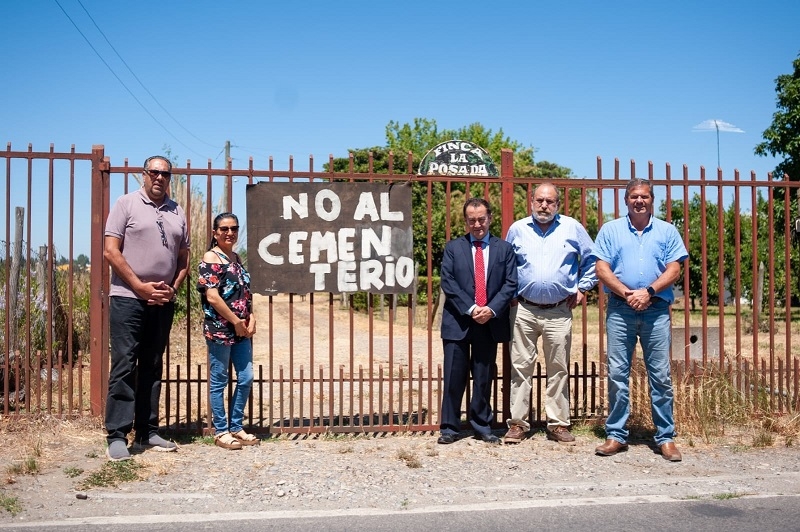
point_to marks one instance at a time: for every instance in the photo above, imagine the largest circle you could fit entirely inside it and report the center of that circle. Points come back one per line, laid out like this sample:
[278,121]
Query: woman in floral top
[228,326]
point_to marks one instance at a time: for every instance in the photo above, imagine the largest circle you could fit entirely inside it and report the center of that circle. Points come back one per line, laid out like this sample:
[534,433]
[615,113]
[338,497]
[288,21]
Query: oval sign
[458,158]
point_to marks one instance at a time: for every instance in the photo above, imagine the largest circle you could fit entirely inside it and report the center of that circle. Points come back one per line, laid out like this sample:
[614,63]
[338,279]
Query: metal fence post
[99,278]
[507,213]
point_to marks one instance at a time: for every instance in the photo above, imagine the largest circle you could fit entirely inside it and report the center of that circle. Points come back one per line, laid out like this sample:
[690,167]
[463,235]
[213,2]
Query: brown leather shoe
[515,434]
[670,452]
[610,448]
[561,434]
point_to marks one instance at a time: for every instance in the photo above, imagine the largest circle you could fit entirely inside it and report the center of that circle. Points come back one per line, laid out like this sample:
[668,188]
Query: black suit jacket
[458,285]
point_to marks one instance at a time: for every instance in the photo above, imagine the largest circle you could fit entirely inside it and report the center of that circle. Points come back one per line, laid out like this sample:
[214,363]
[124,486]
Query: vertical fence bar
[311,361]
[601,297]
[721,269]
[771,291]
[47,289]
[737,250]
[70,285]
[787,279]
[331,359]
[32,364]
[758,296]
[7,344]
[392,300]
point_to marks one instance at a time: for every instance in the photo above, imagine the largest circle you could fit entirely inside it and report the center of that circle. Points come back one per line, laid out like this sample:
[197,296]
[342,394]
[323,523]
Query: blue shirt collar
[535,224]
[634,230]
[485,240]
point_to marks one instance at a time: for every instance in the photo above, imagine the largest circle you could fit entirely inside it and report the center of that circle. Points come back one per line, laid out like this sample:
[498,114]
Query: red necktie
[480,275]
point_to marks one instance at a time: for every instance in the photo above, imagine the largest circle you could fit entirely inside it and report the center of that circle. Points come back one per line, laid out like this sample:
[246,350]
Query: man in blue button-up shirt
[639,259]
[554,269]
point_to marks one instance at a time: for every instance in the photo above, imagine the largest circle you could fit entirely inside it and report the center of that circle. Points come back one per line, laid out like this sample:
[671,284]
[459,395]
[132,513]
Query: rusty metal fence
[325,363]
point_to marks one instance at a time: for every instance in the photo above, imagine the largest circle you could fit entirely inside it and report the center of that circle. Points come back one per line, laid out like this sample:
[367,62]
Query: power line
[140,81]
[123,83]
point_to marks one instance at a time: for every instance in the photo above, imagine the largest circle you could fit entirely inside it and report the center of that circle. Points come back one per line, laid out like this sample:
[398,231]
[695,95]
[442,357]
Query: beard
[544,217]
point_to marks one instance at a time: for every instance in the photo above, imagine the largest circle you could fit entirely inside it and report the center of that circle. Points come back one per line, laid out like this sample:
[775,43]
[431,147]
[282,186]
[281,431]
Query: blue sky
[576,80]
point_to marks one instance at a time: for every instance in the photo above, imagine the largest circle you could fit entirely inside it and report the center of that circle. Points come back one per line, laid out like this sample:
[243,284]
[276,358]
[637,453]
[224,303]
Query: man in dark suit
[475,318]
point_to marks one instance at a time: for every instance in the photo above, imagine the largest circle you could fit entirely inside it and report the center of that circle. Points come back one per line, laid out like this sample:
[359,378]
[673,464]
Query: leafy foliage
[112,474]
[782,137]
[734,251]
[429,200]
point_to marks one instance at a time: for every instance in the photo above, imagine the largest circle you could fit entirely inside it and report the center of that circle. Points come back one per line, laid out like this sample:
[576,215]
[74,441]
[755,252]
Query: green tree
[735,252]
[419,137]
[82,261]
[699,272]
[782,137]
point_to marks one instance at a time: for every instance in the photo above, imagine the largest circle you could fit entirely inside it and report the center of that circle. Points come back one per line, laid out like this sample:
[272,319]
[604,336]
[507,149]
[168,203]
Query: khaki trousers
[554,326]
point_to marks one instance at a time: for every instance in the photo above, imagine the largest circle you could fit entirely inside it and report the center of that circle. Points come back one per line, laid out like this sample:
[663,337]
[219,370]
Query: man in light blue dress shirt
[639,259]
[554,269]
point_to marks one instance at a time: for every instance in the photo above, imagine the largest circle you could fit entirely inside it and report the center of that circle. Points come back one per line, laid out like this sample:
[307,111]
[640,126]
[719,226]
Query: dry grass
[410,458]
[43,442]
[709,407]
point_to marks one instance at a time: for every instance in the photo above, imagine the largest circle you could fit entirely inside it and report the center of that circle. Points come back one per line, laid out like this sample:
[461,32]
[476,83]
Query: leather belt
[538,305]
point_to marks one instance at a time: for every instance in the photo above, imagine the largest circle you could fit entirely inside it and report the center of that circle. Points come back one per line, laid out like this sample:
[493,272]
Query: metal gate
[363,363]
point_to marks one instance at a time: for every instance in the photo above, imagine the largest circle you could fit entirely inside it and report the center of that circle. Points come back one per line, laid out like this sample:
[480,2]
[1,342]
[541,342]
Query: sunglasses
[155,173]
[160,225]
[228,229]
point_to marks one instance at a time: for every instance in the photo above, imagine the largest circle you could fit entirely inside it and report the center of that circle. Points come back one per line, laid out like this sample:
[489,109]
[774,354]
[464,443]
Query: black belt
[538,305]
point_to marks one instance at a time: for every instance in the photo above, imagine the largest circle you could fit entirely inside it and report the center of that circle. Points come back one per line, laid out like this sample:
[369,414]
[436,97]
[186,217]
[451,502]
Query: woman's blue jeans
[219,357]
[652,327]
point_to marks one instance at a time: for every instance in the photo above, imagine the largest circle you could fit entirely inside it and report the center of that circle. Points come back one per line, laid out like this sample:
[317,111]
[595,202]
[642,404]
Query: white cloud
[713,124]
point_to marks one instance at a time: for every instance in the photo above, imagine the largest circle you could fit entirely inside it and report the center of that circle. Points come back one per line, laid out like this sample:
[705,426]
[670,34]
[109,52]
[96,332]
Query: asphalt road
[616,513]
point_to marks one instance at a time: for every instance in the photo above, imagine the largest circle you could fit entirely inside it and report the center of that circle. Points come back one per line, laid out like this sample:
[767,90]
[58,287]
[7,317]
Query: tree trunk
[13,282]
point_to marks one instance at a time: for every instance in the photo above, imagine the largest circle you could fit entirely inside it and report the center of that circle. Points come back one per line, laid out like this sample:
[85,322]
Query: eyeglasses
[160,225]
[477,221]
[228,229]
[155,173]
[548,202]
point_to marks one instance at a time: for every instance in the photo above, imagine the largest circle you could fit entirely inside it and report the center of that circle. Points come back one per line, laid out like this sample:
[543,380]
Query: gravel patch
[386,473]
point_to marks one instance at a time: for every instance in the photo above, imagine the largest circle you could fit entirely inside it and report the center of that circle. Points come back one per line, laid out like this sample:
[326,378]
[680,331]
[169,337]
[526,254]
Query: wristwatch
[651,291]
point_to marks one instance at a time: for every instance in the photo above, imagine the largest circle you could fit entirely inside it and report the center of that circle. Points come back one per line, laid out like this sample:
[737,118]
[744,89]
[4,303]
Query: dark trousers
[476,354]
[139,335]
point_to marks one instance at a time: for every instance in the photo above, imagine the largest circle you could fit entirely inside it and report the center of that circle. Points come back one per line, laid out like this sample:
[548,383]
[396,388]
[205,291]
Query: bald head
[545,203]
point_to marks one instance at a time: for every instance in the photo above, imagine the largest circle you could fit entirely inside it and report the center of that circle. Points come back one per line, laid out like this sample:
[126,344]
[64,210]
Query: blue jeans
[652,327]
[220,356]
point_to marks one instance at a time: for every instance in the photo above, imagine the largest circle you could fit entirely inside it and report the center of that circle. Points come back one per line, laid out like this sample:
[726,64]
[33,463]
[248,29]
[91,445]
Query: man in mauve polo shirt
[554,269]
[147,245]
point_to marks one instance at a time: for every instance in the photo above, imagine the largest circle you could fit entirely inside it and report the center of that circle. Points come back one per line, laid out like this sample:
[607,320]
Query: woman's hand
[240,327]
[251,325]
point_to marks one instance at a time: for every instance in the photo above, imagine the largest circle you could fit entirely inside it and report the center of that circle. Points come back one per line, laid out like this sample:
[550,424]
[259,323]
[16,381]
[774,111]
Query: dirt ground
[300,332]
[46,464]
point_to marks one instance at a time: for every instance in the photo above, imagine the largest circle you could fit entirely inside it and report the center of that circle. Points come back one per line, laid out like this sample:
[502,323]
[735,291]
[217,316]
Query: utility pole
[225,203]
[717,125]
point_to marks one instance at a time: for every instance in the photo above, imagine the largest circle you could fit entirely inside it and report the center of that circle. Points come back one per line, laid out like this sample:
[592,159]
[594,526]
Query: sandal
[244,438]
[227,441]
